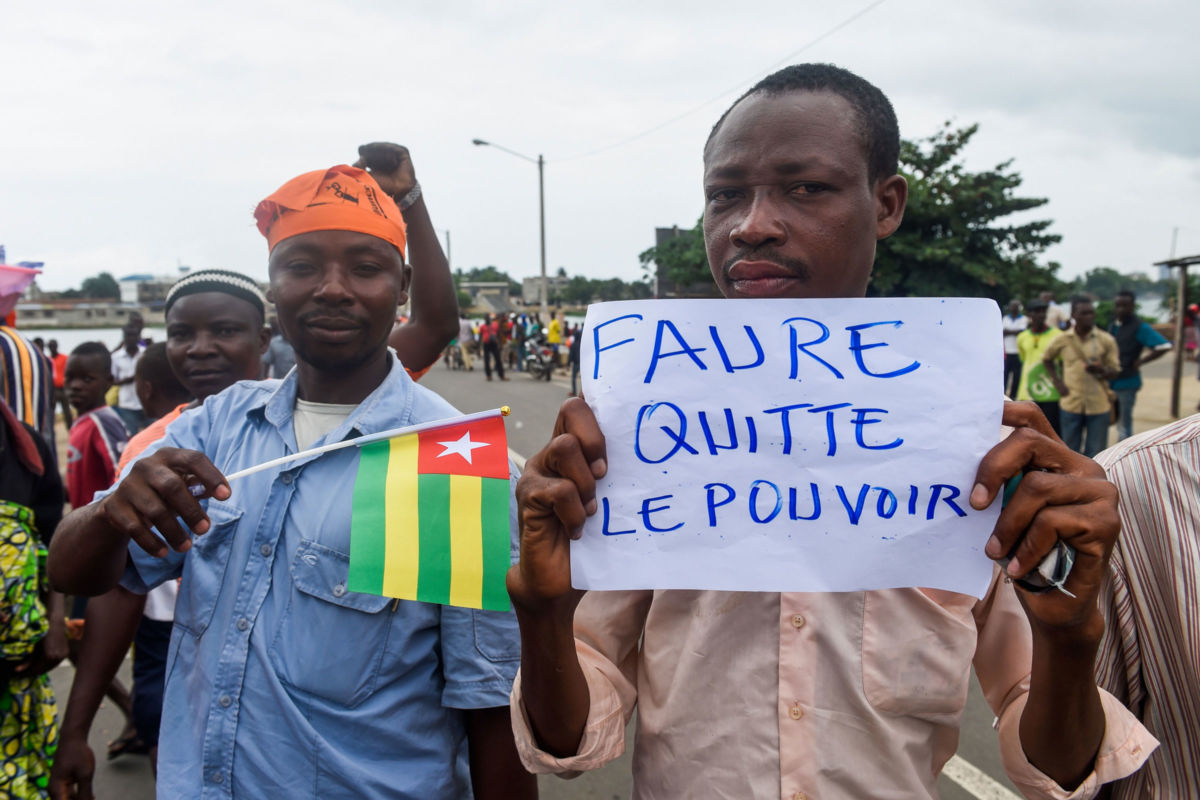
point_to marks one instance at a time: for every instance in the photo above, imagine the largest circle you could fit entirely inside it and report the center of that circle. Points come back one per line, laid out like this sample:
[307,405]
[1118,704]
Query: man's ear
[264,339]
[891,196]
[405,282]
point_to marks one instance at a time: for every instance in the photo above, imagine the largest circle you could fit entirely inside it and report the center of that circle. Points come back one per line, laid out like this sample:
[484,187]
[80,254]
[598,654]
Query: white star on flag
[462,447]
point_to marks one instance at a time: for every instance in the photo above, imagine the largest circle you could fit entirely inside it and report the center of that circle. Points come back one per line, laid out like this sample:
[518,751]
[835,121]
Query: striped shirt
[27,382]
[1150,657]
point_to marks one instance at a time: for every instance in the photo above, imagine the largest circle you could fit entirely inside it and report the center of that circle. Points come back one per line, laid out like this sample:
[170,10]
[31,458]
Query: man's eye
[809,188]
[722,195]
[367,267]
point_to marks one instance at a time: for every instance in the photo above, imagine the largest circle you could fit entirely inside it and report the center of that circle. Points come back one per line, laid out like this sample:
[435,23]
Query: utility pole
[449,263]
[541,162]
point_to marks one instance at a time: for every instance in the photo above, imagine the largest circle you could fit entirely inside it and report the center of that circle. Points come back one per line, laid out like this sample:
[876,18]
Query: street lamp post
[541,164]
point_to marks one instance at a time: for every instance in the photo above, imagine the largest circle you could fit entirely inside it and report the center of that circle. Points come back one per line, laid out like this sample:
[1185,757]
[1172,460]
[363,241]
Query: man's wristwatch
[414,194]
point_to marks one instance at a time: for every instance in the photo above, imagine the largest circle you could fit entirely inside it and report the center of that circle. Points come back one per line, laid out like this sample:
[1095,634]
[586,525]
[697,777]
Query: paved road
[534,405]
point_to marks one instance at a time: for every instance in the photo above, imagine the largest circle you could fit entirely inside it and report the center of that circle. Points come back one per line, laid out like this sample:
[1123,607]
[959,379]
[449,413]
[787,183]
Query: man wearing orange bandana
[280,681]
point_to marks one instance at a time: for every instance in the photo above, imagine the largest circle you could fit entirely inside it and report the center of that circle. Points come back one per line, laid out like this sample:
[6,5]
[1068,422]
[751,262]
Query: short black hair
[1127,293]
[96,349]
[154,368]
[1079,300]
[876,118]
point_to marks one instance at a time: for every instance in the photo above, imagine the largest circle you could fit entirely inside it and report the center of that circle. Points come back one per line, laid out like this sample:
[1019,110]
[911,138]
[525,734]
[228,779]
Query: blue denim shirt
[280,682]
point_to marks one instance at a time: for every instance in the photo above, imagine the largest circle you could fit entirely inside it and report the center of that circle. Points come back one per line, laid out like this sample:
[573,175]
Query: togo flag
[430,516]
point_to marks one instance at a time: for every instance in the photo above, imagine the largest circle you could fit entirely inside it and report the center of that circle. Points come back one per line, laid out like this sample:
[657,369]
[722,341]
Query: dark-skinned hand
[390,165]
[555,494]
[155,493]
[73,770]
[1063,495]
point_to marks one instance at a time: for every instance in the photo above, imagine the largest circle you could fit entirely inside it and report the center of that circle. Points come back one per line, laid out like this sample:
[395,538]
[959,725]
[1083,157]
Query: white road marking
[973,780]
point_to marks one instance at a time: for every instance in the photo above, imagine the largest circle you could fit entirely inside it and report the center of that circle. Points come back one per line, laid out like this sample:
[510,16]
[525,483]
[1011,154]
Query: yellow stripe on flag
[402,556]
[466,542]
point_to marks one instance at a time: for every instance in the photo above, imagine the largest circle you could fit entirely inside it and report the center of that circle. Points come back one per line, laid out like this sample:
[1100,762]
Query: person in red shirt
[59,360]
[491,337]
[97,436]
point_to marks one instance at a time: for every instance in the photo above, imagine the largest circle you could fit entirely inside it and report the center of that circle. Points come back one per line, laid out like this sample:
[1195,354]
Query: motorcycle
[539,359]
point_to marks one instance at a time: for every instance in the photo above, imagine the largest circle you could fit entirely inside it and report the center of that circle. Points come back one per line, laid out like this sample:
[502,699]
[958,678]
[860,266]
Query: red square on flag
[477,448]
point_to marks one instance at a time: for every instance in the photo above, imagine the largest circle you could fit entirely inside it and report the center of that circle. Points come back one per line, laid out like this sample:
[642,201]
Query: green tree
[957,238]
[101,287]
[681,262]
[578,291]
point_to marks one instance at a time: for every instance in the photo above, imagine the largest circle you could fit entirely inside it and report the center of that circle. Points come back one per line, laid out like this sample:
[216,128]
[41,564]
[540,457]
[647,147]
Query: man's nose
[332,287]
[203,344]
[762,222]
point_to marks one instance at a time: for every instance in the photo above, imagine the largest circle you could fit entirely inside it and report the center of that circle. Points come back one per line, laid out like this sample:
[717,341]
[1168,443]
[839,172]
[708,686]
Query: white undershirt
[313,421]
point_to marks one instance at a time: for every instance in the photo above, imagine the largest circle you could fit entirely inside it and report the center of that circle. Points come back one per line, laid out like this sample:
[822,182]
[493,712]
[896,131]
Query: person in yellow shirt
[1089,361]
[1035,384]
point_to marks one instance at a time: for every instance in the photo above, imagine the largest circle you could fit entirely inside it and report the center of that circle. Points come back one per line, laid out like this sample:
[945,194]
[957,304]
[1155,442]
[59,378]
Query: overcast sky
[139,136]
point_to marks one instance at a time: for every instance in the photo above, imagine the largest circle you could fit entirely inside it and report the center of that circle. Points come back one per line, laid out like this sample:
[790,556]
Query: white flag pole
[502,411]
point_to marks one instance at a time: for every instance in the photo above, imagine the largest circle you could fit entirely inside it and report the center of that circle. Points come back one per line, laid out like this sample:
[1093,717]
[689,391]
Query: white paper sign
[791,445]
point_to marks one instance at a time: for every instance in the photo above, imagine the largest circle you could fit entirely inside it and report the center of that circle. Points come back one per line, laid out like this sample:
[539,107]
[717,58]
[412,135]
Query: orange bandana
[340,198]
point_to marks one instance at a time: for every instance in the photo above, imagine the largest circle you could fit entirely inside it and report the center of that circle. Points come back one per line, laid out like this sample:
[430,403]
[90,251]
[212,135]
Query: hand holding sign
[556,494]
[1062,496]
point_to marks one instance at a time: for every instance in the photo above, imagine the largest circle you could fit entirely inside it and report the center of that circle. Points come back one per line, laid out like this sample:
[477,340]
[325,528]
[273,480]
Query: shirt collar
[388,406]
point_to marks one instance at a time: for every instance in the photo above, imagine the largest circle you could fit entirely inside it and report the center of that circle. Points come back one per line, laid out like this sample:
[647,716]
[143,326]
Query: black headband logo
[342,195]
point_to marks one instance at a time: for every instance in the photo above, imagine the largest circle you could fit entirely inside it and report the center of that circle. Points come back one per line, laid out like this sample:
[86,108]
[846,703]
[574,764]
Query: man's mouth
[332,329]
[206,374]
[762,278]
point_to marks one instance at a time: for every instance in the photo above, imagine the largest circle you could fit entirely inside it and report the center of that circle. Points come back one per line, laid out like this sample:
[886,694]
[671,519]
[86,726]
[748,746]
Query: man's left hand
[390,165]
[1062,496]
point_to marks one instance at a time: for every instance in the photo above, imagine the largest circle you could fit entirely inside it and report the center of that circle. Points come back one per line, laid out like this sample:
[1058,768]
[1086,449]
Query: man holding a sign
[835,679]
[283,678]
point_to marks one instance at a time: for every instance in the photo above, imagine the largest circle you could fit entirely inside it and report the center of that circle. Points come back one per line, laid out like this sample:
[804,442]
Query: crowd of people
[518,343]
[258,673]
[1084,379]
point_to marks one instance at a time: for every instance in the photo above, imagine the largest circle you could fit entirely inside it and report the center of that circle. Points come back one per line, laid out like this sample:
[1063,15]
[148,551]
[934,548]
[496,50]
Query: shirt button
[795,712]
[286,478]
[243,624]
[225,700]
[797,621]
[339,590]
[265,549]
[799,796]
[217,777]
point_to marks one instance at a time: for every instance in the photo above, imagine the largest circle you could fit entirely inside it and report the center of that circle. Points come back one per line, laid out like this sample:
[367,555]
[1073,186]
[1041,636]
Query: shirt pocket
[206,564]
[917,647]
[331,641]
[496,635]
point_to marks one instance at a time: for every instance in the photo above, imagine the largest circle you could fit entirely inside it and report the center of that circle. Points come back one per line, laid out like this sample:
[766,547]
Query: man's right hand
[555,495]
[74,766]
[156,493]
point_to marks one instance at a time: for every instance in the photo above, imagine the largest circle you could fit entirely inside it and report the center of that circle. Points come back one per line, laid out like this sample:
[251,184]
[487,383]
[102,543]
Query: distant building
[530,289]
[77,314]
[148,290]
[489,296]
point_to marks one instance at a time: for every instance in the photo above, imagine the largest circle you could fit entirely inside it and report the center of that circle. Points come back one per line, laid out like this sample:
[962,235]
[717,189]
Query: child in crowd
[95,442]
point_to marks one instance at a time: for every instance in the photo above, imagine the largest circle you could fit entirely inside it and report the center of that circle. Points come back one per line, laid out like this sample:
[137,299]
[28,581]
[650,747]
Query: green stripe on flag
[368,521]
[433,577]
[496,559]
